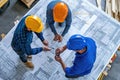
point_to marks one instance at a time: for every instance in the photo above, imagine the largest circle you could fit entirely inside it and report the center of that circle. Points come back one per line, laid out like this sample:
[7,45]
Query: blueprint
[87,20]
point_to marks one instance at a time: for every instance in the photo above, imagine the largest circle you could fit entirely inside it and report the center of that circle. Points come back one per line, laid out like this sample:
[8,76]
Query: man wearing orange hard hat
[58,11]
[23,36]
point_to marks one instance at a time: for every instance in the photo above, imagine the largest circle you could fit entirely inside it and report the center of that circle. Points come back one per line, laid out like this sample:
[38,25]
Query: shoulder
[90,40]
[91,44]
[52,4]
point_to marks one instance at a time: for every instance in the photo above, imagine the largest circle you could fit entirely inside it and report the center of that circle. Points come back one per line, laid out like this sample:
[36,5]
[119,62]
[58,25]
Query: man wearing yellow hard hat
[58,11]
[23,36]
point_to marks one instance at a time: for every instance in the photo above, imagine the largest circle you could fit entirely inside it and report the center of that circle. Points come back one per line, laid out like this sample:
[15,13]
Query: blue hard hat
[76,42]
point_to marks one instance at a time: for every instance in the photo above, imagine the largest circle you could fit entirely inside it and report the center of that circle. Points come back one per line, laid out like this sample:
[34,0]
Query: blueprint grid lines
[87,20]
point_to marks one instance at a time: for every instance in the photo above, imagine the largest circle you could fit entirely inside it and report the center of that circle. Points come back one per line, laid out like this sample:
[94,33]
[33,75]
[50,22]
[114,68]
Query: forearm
[68,22]
[53,29]
[40,36]
[36,50]
[66,30]
[31,51]
[63,65]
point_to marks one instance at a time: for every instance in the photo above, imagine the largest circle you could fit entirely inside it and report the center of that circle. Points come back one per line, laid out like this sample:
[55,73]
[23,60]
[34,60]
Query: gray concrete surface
[14,12]
[114,73]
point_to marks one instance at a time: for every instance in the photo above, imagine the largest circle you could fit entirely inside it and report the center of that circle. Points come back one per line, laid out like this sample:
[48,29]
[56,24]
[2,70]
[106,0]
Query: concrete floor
[17,9]
[14,12]
[114,73]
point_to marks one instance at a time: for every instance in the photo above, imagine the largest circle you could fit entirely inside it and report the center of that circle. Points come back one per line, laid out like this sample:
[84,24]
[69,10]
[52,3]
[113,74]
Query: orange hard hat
[60,11]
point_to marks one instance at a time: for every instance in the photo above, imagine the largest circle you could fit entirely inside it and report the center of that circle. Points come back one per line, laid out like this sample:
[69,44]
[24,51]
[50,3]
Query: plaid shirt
[22,39]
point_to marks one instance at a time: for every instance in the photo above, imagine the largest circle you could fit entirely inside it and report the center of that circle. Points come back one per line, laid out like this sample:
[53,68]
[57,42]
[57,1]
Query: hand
[46,48]
[58,37]
[58,58]
[58,51]
[45,42]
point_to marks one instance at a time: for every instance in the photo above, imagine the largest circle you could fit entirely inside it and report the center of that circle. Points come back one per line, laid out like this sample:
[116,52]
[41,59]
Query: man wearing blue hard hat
[85,55]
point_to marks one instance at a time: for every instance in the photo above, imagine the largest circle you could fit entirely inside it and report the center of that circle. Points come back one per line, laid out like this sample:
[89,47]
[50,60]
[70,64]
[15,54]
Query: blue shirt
[50,21]
[83,63]
[22,39]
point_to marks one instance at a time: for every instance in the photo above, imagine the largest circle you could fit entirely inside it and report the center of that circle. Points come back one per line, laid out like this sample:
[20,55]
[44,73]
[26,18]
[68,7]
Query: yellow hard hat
[60,11]
[34,23]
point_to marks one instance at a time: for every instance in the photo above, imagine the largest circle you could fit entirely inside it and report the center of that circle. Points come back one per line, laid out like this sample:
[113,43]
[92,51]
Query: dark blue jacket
[83,63]
[50,21]
[22,39]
